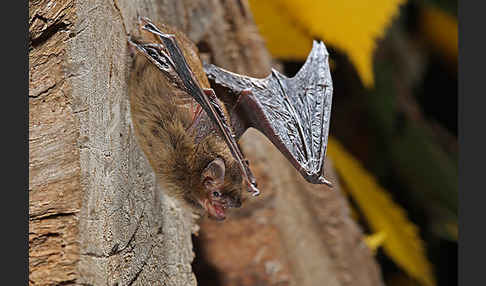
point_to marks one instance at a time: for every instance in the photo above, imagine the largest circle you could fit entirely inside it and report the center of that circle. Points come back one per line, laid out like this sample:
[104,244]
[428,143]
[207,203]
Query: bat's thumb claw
[325,181]
[253,190]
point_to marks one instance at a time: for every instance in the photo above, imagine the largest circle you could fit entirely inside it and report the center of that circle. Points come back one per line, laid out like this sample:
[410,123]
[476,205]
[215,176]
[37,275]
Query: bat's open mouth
[215,209]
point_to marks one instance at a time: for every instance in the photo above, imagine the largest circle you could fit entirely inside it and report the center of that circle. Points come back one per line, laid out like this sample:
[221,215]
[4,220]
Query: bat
[189,119]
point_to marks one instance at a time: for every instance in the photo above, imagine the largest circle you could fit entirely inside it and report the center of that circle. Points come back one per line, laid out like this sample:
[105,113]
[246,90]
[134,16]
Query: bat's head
[220,188]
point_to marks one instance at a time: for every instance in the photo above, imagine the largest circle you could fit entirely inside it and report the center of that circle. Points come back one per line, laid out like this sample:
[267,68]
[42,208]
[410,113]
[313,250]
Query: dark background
[411,112]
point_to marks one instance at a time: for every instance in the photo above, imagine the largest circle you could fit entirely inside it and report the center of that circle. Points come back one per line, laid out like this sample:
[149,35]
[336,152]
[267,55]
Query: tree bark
[97,217]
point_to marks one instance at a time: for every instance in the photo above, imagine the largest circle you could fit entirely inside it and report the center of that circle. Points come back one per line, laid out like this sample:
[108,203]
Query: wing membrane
[294,113]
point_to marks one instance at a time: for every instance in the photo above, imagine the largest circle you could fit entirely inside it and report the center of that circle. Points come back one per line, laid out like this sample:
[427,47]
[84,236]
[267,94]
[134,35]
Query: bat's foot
[253,190]
[144,20]
[325,181]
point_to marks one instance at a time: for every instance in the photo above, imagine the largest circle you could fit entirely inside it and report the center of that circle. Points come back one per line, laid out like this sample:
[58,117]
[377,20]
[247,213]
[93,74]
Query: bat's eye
[216,194]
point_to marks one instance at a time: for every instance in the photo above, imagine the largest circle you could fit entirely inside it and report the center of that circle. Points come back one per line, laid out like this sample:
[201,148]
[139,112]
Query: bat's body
[179,153]
[189,131]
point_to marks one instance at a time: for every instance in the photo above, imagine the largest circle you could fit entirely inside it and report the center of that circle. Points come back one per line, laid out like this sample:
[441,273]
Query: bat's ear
[212,176]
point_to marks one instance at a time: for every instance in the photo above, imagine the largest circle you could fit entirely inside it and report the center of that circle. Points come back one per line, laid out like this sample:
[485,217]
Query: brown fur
[161,129]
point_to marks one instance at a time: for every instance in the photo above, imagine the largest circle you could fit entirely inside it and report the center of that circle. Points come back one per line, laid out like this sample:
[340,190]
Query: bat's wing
[294,113]
[170,60]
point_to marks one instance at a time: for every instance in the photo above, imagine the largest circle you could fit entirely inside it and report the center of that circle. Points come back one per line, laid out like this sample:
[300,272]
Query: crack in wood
[132,237]
[47,33]
[67,282]
[144,263]
[115,3]
[42,238]
[42,92]
[115,250]
[95,255]
[51,215]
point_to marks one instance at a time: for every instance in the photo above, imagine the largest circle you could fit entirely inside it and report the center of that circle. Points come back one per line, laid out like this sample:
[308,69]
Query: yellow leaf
[351,26]
[375,240]
[278,32]
[402,244]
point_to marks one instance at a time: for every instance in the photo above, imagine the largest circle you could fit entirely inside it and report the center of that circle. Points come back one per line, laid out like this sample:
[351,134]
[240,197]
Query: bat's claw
[325,181]
[144,20]
[141,19]
[146,24]
[253,190]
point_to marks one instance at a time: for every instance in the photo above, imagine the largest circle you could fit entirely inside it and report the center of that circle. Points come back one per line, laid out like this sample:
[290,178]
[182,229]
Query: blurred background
[393,137]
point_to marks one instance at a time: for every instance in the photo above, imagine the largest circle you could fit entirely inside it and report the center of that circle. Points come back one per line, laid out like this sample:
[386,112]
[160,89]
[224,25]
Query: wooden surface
[97,216]
[54,169]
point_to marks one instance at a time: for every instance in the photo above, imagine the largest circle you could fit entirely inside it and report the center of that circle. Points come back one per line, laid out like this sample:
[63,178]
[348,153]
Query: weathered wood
[97,217]
[54,172]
